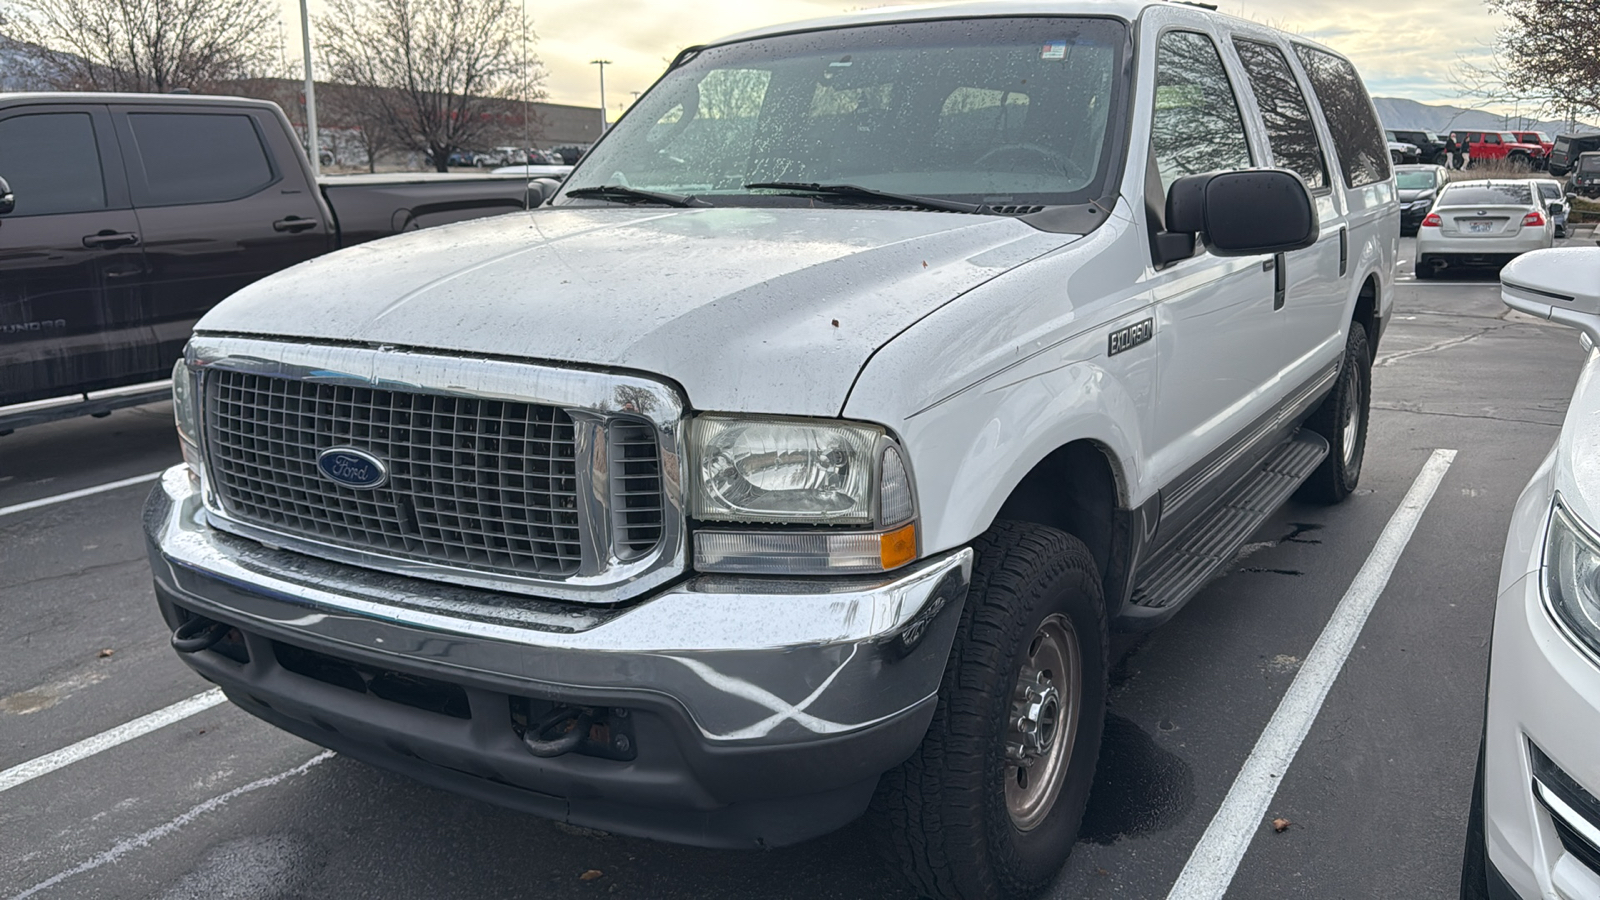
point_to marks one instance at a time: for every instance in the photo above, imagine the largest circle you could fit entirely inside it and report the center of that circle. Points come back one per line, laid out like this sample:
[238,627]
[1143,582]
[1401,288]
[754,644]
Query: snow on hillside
[1399,113]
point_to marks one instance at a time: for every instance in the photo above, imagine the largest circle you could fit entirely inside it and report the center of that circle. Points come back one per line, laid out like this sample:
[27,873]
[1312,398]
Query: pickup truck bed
[134,214]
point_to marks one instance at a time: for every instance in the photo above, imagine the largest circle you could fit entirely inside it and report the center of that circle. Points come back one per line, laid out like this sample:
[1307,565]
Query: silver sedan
[1482,223]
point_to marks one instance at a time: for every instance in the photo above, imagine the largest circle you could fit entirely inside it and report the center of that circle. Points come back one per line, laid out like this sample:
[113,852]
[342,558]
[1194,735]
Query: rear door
[1311,293]
[71,266]
[221,201]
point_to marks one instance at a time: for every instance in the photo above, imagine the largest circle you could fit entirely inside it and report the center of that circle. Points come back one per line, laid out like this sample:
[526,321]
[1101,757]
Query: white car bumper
[1544,698]
[1431,241]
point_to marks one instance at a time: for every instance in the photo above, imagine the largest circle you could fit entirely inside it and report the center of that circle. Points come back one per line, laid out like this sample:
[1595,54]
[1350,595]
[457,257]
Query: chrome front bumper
[834,680]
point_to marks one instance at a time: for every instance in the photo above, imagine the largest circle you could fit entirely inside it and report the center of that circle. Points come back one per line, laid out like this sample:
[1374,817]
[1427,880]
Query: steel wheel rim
[1043,724]
[1352,421]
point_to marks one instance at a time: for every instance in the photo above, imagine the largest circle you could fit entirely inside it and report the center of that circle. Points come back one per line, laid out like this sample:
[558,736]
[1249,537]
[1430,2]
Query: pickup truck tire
[946,815]
[1342,419]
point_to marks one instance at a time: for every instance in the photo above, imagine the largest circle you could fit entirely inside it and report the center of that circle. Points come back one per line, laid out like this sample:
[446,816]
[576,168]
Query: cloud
[1402,47]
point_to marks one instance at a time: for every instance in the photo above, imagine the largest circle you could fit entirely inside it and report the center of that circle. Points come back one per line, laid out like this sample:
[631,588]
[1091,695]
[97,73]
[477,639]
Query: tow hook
[566,741]
[199,633]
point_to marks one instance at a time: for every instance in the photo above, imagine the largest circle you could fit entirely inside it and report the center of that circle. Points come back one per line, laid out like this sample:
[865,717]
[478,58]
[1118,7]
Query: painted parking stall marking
[73,495]
[1216,857]
[105,740]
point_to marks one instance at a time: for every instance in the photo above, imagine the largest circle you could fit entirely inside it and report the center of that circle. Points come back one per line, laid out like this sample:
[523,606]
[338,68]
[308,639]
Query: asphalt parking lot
[219,805]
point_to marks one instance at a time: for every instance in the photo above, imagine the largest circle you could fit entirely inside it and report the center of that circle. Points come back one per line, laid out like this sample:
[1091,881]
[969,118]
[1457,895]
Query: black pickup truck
[124,217]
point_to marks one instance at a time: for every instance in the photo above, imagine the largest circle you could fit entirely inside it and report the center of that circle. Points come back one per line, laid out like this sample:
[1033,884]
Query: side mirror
[1557,209]
[1561,284]
[1246,213]
[8,201]
[543,189]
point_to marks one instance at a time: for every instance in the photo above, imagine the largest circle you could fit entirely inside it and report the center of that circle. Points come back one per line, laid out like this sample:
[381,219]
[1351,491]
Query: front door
[1215,315]
[71,264]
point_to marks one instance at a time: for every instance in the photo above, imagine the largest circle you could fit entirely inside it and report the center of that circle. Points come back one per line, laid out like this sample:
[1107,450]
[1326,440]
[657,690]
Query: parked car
[1585,180]
[1481,223]
[1430,146]
[1417,187]
[1534,828]
[536,171]
[1536,137]
[507,156]
[1555,202]
[1566,149]
[1489,146]
[133,214]
[1401,152]
[773,470]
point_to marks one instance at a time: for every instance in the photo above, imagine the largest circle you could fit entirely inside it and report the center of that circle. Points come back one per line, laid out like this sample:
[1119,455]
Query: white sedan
[1534,831]
[1482,223]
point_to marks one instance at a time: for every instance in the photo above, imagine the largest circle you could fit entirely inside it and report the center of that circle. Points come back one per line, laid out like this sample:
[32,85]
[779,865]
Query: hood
[1408,196]
[749,310]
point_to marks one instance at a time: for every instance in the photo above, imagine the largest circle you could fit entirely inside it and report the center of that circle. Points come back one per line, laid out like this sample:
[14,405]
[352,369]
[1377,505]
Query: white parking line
[73,495]
[105,740]
[144,839]
[1216,857]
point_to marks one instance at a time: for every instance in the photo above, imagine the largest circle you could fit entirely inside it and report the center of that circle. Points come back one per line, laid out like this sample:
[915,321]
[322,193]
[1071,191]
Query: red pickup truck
[1492,145]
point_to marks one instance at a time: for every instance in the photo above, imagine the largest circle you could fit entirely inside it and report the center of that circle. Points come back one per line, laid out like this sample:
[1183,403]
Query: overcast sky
[1404,48]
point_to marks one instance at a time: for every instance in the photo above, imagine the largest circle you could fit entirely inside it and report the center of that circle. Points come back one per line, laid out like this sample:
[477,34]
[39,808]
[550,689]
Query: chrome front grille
[510,476]
[487,485]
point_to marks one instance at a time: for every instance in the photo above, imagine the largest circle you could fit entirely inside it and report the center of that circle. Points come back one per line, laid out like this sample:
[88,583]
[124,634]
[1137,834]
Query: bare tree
[441,71]
[150,45]
[1546,56]
[361,110]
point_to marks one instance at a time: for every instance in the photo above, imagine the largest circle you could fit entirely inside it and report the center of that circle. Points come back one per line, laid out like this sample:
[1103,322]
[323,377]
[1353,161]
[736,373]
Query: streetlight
[313,141]
[602,63]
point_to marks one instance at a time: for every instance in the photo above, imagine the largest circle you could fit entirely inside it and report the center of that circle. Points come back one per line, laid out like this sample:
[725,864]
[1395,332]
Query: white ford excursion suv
[795,459]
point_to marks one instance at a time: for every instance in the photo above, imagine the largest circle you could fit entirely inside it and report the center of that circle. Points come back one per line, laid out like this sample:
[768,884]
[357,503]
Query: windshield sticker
[1054,50]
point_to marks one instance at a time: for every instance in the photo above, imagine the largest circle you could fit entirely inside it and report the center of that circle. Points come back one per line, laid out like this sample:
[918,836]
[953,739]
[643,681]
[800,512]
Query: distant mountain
[22,66]
[1399,113]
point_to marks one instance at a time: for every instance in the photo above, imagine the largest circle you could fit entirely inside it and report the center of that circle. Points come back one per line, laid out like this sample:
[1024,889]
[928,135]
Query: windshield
[1549,190]
[1510,193]
[1414,181]
[992,111]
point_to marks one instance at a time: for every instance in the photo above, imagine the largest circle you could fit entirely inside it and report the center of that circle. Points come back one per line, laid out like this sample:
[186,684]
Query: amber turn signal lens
[898,547]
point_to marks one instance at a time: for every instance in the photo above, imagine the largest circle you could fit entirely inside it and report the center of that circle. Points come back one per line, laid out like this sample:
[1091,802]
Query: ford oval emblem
[353,468]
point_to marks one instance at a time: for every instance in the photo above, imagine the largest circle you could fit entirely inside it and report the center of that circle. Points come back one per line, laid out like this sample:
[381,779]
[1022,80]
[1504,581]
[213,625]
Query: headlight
[185,408]
[770,471]
[1572,576]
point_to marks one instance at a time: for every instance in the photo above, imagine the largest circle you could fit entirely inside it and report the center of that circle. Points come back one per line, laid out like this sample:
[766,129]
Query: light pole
[602,63]
[313,141]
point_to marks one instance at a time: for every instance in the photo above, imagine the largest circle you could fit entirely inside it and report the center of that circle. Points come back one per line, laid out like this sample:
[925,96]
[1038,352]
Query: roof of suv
[974,9]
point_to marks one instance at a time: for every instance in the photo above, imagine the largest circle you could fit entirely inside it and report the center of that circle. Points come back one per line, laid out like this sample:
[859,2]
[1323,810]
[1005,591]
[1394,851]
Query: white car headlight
[186,410]
[1572,576]
[765,471]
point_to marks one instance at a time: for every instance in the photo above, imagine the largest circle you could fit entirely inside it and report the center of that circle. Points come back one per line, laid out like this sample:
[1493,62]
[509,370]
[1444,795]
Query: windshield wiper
[622,194]
[865,193]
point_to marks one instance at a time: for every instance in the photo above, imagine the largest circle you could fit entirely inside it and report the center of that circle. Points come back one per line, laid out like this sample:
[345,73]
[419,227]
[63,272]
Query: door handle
[293,224]
[108,239]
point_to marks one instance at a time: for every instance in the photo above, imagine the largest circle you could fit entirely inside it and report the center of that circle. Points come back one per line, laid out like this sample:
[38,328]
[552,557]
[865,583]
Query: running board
[1183,566]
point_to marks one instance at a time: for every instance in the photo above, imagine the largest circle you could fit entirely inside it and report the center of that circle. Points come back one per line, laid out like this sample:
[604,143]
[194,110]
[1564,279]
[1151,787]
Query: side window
[196,158]
[1491,139]
[1363,154]
[52,163]
[1283,107]
[1197,126]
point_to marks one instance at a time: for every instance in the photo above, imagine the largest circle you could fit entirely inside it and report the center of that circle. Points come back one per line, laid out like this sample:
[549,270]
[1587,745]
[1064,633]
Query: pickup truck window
[1283,108]
[1363,154]
[1197,125]
[999,111]
[196,158]
[52,163]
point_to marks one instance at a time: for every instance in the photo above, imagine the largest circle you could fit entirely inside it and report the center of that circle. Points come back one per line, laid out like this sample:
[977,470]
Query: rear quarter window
[1357,136]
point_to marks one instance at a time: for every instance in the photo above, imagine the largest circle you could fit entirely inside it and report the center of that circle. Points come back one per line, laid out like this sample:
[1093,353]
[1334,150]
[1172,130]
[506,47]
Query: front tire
[1475,857]
[989,805]
[1342,419]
